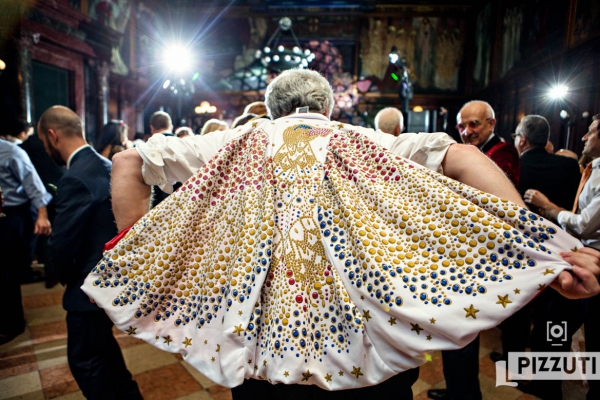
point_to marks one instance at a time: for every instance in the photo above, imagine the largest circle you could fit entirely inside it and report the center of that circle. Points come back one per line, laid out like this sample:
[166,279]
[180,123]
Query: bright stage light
[177,58]
[558,92]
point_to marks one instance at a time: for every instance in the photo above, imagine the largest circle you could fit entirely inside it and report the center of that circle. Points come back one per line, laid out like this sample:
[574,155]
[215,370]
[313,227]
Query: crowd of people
[328,257]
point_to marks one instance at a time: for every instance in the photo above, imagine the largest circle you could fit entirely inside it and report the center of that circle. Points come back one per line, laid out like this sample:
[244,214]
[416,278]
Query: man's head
[389,120]
[22,130]
[299,88]
[61,131]
[591,139]
[160,121]
[475,122]
[258,108]
[532,132]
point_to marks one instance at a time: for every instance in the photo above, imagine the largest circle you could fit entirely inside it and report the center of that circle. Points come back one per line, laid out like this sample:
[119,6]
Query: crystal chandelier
[277,57]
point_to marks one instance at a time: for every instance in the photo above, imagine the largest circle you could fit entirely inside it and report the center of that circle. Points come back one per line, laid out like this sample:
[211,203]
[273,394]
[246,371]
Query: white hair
[489,111]
[388,119]
[298,88]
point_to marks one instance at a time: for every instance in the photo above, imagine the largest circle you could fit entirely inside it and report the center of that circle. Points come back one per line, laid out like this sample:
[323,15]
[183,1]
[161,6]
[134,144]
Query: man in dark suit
[555,176]
[84,222]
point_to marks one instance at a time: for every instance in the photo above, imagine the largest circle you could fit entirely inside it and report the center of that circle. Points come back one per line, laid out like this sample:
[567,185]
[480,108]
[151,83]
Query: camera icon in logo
[556,333]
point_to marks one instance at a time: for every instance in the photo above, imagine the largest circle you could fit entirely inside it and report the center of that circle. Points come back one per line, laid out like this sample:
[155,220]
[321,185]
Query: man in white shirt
[583,222]
[294,190]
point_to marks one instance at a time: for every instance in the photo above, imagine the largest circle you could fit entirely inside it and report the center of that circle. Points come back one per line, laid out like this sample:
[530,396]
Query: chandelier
[277,57]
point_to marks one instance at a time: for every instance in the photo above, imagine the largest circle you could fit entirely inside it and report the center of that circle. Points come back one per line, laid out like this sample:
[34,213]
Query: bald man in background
[84,223]
[390,120]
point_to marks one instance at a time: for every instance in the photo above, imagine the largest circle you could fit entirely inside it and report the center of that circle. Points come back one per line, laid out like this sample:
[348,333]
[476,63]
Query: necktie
[584,178]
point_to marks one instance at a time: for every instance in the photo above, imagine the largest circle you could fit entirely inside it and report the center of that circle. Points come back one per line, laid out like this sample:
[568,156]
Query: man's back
[555,176]
[84,223]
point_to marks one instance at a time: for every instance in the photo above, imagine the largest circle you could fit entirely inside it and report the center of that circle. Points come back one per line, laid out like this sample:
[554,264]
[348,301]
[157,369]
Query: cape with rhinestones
[315,256]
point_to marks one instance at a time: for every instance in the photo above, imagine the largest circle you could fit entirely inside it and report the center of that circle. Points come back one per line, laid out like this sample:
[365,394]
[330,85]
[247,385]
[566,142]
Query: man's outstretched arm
[130,194]
[468,165]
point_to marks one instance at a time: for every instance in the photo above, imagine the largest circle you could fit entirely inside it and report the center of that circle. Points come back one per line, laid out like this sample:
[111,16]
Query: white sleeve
[584,224]
[169,159]
[427,149]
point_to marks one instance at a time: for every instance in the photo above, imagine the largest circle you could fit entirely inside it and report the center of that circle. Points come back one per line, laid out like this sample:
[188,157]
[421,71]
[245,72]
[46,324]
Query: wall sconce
[205,108]
[418,109]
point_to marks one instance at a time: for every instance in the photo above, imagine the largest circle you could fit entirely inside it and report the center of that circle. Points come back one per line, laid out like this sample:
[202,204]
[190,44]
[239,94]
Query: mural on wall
[114,14]
[483,45]
[431,48]
[512,25]
[587,19]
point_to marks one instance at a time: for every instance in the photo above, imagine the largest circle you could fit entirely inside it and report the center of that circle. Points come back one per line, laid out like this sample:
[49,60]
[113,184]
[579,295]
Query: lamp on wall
[278,57]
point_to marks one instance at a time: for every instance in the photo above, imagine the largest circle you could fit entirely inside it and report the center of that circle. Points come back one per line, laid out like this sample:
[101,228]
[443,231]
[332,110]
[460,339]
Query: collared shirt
[586,224]
[169,160]
[18,178]
[75,152]
[487,141]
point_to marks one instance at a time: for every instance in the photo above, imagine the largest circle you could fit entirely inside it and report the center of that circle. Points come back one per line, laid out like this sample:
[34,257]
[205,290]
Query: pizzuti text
[553,365]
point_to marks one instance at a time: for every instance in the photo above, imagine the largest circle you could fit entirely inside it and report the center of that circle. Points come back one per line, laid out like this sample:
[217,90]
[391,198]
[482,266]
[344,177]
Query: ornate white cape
[318,257]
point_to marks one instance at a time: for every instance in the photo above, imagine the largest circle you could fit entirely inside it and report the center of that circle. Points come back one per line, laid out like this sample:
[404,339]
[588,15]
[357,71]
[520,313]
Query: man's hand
[547,208]
[536,198]
[582,281]
[42,224]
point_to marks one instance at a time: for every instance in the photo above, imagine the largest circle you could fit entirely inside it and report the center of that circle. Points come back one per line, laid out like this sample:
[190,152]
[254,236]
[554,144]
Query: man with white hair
[306,252]
[475,122]
[390,120]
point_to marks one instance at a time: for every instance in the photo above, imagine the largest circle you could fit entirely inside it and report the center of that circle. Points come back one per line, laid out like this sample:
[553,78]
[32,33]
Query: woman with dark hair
[112,139]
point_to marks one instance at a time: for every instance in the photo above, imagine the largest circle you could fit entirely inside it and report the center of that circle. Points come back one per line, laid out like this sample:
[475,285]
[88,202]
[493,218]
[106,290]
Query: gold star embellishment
[264,363]
[429,337]
[341,373]
[471,311]
[340,126]
[416,328]
[240,312]
[187,342]
[254,124]
[328,378]
[168,340]
[131,330]
[392,321]
[213,359]
[574,249]
[362,297]
[256,367]
[156,337]
[549,271]
[205,341]
[250,362]
[367,315]
[541,286]
[238,329]
[432,321]
[503,300]
[517,291]
[306,375]
[356,371]
[286,373]
[218,348]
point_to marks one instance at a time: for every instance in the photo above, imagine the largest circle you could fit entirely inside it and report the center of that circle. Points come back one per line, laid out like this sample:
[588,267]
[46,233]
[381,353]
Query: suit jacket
[84,223]
[506,156]
[555,176]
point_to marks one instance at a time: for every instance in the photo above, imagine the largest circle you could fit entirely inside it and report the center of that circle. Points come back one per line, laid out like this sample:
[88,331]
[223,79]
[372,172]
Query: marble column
[25,77]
